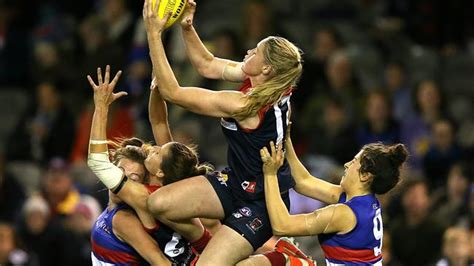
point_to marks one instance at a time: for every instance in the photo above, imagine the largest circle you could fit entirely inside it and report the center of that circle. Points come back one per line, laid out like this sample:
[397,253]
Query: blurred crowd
[388,70]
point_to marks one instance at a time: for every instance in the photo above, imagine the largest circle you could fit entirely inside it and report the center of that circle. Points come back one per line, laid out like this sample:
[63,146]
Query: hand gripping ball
[176,7]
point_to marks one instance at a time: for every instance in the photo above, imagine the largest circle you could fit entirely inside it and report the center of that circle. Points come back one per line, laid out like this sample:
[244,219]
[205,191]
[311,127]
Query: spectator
[43,236]
[80,223]
[416,131]
[10,252]
[416,237]
[46,130]
[455,248]
[58,189]
[442,153]
[453,201]
[379,126]
[336,135]
[326,41]
[396,83]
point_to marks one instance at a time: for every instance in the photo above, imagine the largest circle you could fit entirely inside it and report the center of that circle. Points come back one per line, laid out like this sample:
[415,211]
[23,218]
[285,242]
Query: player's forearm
[197,52]
[166,80]
[279,215]
[98,158]
[99,129]
[158,116]
[298,171]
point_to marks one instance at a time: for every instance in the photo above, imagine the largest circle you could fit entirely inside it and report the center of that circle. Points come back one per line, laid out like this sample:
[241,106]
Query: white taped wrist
[93,141]
[109,174]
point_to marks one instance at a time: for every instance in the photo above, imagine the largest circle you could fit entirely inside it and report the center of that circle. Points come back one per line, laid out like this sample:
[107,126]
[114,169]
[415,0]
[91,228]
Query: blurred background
[388,70]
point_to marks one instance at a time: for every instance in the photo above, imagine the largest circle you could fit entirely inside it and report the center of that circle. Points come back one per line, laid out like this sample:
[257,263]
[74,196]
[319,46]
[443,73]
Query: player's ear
[365,177]
[160,174]
[267,69]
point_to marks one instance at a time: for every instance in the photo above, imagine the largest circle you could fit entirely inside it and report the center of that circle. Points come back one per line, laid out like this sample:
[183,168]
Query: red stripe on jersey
[113,255]
[339,253]
[152,188]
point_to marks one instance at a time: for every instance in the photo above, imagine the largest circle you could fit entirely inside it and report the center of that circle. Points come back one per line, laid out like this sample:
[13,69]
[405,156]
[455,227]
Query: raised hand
[271,162]
[153,22]
[104,91]
[188,15]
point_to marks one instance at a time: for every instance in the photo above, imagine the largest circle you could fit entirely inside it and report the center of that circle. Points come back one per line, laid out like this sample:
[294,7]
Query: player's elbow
[172,93]
[280,228]
[277,231]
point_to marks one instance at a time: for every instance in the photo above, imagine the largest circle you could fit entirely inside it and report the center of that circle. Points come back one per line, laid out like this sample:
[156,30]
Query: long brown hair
[286,64]
[182,162]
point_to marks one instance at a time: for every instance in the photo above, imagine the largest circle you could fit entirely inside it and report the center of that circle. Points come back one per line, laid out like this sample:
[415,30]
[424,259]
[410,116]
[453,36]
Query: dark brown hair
[182,162]
[383,163]
[131,149]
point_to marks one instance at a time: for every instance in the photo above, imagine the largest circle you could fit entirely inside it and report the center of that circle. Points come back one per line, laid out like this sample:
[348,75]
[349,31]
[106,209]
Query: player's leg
[227,247]
[257,260]
[177,205]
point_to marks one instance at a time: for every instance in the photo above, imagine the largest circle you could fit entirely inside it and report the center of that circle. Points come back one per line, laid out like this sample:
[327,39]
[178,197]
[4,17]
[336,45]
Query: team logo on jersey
[237,215]
[223,178]
[249,186]
[228,124]
[254,225]
[245,211]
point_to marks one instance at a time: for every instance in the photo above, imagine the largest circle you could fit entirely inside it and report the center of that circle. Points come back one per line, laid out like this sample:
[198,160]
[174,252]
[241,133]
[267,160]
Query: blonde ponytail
[286,63]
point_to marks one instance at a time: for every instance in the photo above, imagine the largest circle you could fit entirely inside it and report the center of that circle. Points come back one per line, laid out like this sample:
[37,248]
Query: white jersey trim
[328,263]
[97,262]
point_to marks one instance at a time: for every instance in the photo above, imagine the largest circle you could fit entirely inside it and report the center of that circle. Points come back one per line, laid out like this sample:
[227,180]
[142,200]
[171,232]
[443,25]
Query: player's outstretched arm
[198,100]
[306,184]
[334,218]
[158,116]
[202,59]
[134,194]
[129,229]
[98,158]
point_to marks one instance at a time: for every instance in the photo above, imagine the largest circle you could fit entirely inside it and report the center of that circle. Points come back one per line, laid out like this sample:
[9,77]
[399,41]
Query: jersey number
[378,231]
[172,249]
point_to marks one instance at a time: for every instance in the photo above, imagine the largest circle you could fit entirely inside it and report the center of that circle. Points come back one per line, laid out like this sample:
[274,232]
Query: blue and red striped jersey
[363,244]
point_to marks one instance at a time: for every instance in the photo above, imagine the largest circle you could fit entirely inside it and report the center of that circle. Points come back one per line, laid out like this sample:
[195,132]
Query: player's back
[107,248]
[362,245]
[243,155]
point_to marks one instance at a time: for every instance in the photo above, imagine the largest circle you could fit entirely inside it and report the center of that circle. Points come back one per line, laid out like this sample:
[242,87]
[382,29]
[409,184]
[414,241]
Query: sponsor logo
[255,225]
[179,9]
[237,215]
[245,211]
[249,186]
[223,178]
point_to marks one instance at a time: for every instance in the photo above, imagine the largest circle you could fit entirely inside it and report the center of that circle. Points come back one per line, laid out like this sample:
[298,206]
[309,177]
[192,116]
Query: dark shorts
[247,217]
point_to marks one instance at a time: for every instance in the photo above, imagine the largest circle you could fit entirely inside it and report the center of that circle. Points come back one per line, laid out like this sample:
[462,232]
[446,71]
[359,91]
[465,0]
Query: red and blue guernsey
[243,155]
[107,248]
[362,245]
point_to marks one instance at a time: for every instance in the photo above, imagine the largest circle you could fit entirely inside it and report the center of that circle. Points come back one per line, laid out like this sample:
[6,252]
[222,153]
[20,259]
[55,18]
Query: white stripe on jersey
[279,124]
[97,262]
[328,263]
[279,119]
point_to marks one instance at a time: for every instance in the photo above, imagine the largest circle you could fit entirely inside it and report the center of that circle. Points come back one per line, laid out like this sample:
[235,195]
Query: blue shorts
[249,218]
